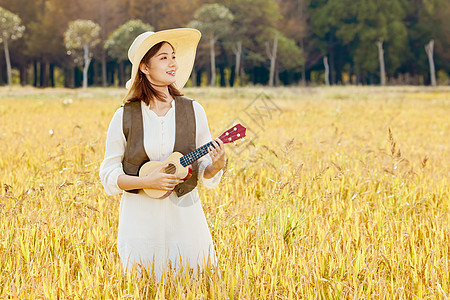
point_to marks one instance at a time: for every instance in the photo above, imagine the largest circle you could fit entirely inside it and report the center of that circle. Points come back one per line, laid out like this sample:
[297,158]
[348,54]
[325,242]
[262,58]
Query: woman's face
[162,67]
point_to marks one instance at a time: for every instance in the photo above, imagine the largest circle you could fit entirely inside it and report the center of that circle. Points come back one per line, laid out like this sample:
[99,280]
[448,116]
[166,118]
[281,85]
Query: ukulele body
[174,167]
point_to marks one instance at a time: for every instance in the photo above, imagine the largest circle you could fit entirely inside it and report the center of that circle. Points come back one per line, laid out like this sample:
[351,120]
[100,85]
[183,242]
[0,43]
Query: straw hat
[183,40]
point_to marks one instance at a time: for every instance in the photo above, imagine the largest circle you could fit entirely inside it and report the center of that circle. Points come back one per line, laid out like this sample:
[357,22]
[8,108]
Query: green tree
[44,41]
[214,21]
[120,40]
[296,26]
[324,35]
[363,25]
[10,29]
[271,50]
[109,14]
[82,35]
[26,10]
[429,26]
[253,26]
[283,54]
[290,56]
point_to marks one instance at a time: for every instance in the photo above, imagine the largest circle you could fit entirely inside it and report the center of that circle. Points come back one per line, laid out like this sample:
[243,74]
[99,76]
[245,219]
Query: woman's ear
[144,68]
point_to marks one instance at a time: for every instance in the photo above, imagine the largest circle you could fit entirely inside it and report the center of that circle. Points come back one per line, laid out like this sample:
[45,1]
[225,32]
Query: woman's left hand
[217,154]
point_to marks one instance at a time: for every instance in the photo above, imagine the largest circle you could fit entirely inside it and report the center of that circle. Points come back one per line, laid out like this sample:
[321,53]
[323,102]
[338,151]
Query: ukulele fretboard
[194,155]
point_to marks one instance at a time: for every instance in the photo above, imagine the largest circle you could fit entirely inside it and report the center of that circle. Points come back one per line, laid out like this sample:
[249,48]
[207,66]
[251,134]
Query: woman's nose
[173,62]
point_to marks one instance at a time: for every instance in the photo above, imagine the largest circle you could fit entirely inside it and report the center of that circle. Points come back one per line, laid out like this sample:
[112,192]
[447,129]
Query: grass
[337,192]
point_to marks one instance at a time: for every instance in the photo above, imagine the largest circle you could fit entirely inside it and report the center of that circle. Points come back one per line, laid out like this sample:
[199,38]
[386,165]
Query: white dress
[154,232]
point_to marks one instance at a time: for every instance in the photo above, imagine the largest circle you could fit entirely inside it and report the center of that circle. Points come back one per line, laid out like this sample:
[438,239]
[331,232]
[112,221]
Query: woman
[154,122]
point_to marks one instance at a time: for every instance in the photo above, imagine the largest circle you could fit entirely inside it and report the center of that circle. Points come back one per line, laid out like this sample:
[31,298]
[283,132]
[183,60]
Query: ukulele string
[170,169]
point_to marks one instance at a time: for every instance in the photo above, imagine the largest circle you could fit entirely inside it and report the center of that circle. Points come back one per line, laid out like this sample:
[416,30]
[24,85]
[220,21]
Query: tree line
[284,42]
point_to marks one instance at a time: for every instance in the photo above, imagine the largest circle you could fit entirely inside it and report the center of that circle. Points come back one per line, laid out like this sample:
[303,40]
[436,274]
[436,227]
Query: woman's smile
[164,62]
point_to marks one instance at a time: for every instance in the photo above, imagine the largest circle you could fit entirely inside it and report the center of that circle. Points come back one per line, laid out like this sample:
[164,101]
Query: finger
[215,153]
[169,185]
[175,181]
[212,146]
[220,146]
[163,168]
[219,143]
[211,150]
[173,177]
[212,153]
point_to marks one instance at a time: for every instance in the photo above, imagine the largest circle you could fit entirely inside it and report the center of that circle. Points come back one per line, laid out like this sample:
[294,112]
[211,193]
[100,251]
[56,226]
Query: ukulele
[180,164]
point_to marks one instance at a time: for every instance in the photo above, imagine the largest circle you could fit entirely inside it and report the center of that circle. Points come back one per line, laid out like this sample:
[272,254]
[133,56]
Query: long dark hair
[143,89]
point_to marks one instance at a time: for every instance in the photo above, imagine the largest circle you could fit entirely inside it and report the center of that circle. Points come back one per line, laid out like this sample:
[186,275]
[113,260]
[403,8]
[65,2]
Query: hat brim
[183,40]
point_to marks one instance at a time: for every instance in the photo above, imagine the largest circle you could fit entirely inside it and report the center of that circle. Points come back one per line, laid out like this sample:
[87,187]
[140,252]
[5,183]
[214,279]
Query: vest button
[180,190]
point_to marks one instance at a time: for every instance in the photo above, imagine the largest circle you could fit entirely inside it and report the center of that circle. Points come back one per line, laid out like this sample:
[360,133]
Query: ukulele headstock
[234,133]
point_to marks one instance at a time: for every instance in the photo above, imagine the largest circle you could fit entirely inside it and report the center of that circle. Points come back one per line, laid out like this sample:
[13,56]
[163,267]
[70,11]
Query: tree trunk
[41,74]
[327,70]
[23,75]
[332,71]
[104,78]
[43,82]
[194,77]
[8,61]
[381,61]
[66,77]
[87,61]
[52,75]
[350,76]
[199,78]
[1,73]
[222,76]
[35,73]
[429,50]
[103,25]
[237,52]
[110,73]
[272,56]
[73,79]
[96,72]
[122,74]
[302,45]
[212,42]
[277,77]
[358,74]
[232,77]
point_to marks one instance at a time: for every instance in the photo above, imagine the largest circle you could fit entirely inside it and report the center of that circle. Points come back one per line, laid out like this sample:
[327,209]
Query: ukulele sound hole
[170,169]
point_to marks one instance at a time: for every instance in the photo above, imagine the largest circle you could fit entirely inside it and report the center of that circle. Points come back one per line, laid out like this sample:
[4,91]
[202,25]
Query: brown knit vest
[185,136]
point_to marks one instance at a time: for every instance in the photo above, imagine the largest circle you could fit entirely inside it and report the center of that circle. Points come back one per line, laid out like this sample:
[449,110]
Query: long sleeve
[111,167]
[203,137]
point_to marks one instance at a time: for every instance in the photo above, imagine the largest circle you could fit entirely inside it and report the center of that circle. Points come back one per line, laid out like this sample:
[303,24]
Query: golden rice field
[338,193]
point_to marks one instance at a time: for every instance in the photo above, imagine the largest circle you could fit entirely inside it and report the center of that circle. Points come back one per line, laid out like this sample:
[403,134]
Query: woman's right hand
[156,179]
[159,180]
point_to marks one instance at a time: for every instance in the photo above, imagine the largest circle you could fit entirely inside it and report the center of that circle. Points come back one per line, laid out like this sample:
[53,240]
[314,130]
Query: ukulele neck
[195,155]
